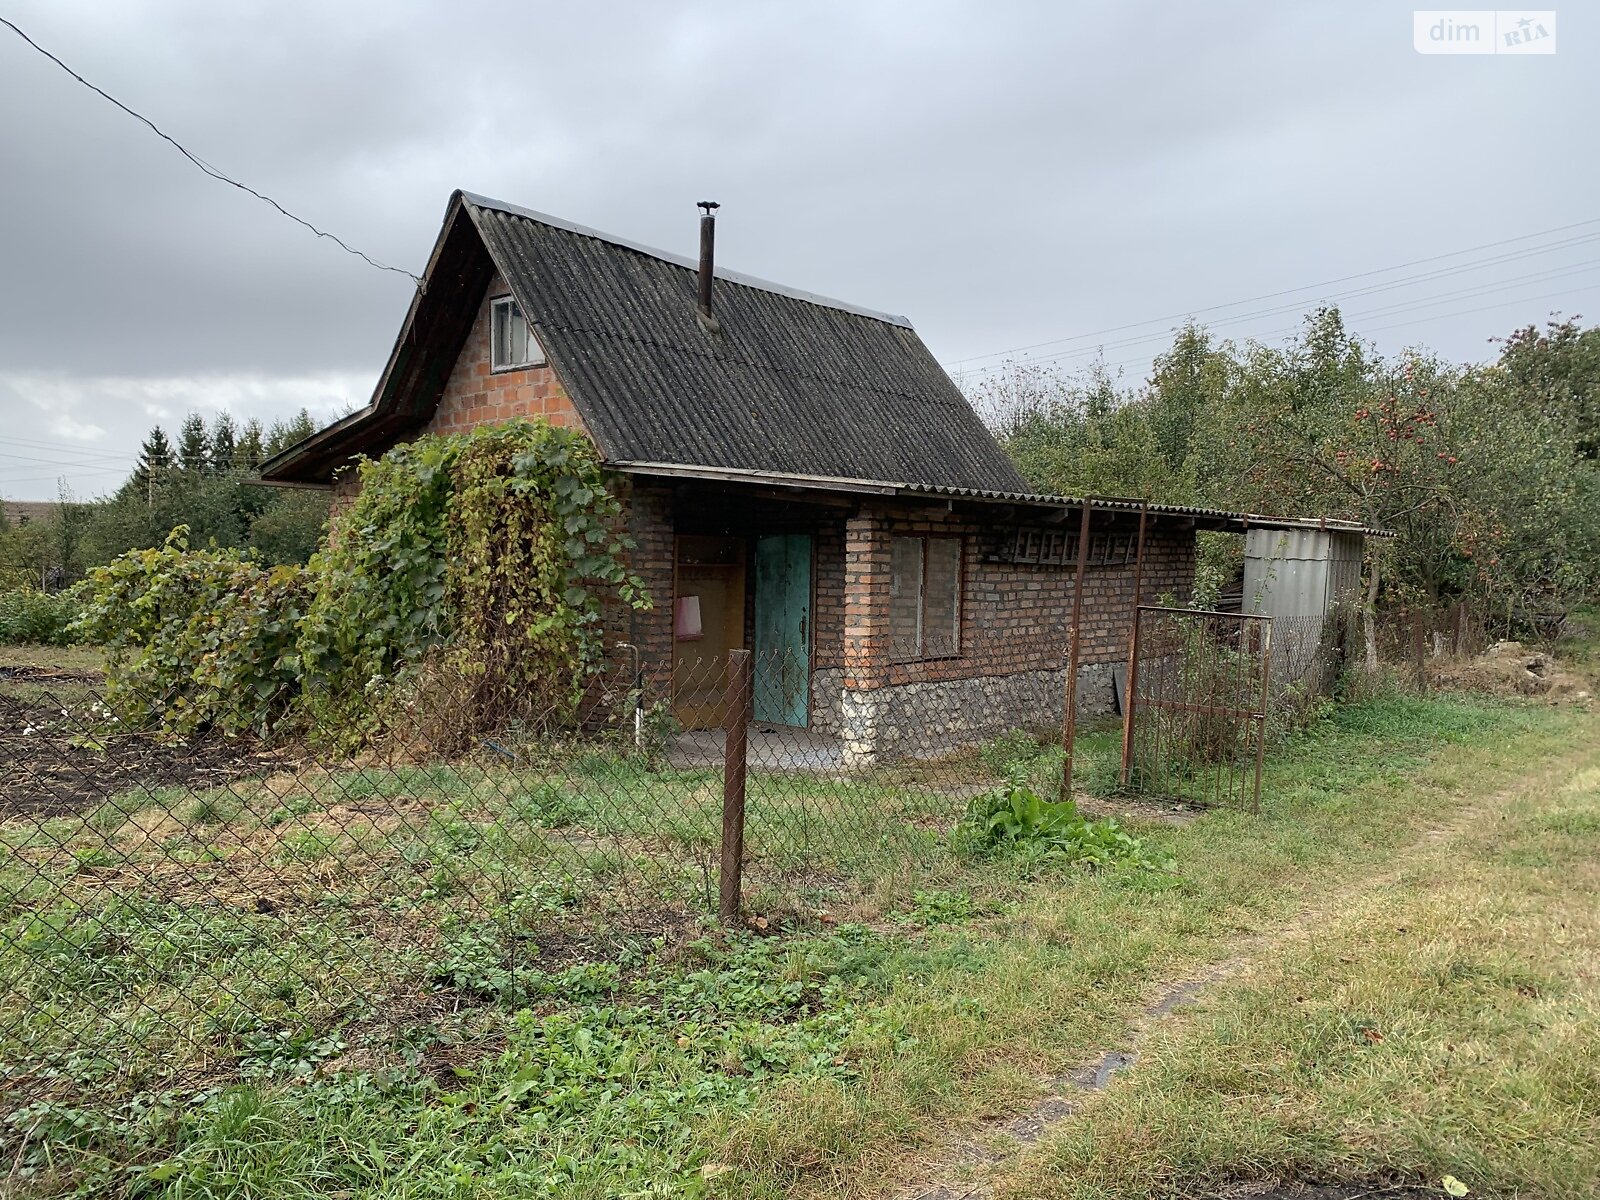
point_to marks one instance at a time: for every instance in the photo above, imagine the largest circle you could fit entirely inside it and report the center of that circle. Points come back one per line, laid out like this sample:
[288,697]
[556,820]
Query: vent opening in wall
[1037,546]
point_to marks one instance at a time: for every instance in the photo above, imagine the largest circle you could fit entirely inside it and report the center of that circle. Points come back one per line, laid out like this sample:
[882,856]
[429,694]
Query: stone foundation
[827,690]
[930,720]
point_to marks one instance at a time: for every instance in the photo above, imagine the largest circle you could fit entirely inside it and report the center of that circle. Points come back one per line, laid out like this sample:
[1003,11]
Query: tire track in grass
[969,1167]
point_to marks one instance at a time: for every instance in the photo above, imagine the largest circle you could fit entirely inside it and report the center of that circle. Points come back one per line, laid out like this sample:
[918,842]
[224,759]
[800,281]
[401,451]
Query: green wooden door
[783,629]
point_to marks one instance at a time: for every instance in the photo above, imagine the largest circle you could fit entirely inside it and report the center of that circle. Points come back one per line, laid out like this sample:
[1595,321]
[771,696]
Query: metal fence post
[736,726]
[1069,716]
[1263,722]
[1130,691]
[1130,684]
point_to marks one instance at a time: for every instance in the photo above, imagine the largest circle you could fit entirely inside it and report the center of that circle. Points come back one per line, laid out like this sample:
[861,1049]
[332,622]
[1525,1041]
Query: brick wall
[648,518]
[346,487]
[828,604]
[476,394]
[865,635]
[1014,617]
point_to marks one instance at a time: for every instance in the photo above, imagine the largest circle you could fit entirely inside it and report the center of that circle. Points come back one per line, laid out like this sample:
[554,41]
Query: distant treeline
[204,478]
[1489,475]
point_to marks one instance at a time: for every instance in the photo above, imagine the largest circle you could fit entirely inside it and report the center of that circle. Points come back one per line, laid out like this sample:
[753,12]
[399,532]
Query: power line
[1354,317]
[63,475]
[34,460]
[1308,287]
[1413,304]
[207,167]
[53,455]
[70,449]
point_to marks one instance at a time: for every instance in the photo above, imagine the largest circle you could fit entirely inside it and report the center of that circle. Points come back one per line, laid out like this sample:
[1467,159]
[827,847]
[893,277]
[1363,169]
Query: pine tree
[223,444]
[192,444]
[252,449]
[155,459]
[286,433]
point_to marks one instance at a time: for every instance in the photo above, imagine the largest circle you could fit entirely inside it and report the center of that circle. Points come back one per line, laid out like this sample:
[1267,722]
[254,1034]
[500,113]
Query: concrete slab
[770,748]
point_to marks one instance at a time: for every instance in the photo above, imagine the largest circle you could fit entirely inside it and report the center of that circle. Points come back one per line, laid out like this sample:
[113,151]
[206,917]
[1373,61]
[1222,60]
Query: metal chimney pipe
[708,240]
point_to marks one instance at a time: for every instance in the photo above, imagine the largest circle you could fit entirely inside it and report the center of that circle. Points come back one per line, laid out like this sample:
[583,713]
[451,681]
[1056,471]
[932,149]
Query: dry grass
[1444,1023]
[1070,971]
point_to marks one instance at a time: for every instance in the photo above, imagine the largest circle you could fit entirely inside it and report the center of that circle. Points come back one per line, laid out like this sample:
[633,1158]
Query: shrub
[42,617]
[458,592]
[473,561]
[197,638]
[1014,819]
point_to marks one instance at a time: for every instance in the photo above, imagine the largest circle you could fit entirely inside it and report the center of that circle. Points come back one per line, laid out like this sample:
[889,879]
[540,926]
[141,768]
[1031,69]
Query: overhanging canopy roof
[1204,518]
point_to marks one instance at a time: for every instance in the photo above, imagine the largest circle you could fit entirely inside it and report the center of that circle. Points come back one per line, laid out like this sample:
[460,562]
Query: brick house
[800,476]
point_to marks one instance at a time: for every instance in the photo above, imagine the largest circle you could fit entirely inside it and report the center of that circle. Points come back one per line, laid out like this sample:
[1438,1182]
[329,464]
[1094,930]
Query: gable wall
[476,395]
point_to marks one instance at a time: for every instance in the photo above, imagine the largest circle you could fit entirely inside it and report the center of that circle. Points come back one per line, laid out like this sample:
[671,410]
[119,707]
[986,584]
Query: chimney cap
[707,205]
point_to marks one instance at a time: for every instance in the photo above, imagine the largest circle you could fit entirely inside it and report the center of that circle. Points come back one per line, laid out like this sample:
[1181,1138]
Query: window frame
[536,355]
[921,652]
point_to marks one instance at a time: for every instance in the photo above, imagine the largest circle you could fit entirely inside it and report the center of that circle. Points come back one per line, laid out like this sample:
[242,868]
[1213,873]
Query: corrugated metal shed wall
[1296,577]
[1300,572]
[1286,571]
[1344,568]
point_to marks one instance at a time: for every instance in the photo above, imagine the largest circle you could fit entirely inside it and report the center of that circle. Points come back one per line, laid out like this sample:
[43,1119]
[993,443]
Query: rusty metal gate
[1195,706]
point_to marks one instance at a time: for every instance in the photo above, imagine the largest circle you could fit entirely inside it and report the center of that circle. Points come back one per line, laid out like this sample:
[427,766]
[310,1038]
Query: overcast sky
[1005,174]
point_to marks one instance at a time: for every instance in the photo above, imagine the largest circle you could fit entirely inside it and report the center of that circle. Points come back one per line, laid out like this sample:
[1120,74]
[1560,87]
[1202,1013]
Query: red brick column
[866,602]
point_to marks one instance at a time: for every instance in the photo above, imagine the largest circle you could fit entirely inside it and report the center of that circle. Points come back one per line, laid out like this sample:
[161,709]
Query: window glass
[924,598]
[512,343]
[905,597]
[941,601]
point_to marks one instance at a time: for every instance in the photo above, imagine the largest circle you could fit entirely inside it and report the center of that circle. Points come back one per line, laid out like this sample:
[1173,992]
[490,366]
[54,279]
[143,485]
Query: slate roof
[1053,506]
[790,382]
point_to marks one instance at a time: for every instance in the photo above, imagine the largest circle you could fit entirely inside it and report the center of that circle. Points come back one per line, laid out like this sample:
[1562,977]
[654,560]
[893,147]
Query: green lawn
[1068,966]
[836,1059]
[1443,1023]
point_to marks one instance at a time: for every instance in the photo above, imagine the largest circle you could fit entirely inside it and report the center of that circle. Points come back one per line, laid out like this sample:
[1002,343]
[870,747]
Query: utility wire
[101,460]
[1290,291]
[63,475]
[1412,304]
[76,449]
[1354,317]
[206,167]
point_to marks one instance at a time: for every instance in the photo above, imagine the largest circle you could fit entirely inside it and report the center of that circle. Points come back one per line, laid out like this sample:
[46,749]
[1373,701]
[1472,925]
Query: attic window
[512,343]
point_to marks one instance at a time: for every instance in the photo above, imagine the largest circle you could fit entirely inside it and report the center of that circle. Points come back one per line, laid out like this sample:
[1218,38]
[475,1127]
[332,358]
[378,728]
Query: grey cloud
[1002,173]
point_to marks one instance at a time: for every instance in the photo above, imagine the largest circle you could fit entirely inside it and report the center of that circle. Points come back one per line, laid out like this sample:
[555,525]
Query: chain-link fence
[183,908]
[180,907]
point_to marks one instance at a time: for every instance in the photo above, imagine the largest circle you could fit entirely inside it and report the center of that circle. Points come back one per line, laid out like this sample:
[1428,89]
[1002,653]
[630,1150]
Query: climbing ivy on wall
[468,572]
[475,558]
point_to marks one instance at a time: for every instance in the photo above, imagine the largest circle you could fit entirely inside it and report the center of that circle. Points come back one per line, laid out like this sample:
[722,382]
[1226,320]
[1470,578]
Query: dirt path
[967,1168]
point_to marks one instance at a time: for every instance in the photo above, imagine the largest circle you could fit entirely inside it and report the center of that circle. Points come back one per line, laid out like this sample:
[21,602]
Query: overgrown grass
[1063,970]
[464,1060]
[1445,1025]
